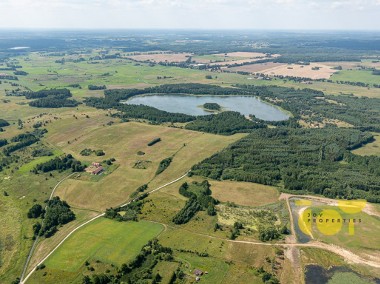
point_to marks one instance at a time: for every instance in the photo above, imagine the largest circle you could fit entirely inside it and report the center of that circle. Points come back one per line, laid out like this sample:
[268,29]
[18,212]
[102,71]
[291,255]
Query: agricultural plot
[242,193]
[313,71]
[255,68]
[362,76]
[104,241]
[160,57]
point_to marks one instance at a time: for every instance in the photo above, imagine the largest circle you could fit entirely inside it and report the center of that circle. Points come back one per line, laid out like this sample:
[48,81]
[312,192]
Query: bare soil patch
[313,71]
[255,68]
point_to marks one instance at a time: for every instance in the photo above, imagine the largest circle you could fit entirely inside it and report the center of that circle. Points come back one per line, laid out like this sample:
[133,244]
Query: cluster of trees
[164,164]
[57,213]
[22,140]
[53,98]
[20,73]
[225,123]
[304,160]
[212,106]
[140,269]
[3,142]
[95,87]
[130,210]
[3,123]
[199,195]
[61,164]
[140,189]
[88,152]
[8,77]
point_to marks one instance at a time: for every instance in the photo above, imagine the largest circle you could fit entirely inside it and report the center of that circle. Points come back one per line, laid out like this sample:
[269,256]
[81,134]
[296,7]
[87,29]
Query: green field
[363,76]
[369,149]
[103,241]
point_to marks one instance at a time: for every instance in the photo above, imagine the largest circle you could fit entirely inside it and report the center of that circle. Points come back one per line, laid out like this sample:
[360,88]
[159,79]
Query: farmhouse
[98,170]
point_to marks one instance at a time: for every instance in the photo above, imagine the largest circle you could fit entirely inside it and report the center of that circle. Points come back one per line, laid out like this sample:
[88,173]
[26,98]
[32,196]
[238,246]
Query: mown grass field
[370,148]
[103,241]
[244,193]
[363,76]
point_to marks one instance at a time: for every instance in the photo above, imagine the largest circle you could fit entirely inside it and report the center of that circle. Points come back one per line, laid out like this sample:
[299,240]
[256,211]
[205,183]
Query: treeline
[22,140]
[315,161]
[154,141]
[199,195]
[95,87]
[57,213]
[225,123]
[61,164]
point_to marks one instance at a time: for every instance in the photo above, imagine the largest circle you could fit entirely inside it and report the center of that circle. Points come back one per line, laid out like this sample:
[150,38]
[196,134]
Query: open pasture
[362,76]
[122,142]
[244,193]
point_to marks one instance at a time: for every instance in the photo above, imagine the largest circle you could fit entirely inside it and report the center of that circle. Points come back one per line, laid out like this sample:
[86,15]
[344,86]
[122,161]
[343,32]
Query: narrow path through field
[23,280]
[36,240]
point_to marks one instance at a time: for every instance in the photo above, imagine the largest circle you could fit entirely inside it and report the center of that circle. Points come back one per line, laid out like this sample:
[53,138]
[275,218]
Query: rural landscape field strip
[23,280]
[36,240]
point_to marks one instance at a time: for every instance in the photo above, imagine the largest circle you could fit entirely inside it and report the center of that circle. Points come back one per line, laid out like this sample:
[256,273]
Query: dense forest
[363,112]
[53,98]
[225,123]
[306,160]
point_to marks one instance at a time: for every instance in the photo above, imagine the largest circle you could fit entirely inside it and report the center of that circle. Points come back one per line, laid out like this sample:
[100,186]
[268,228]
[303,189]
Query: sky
[191,14]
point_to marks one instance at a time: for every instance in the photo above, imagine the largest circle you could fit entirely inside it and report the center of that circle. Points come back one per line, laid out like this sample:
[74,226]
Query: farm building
[198,272]
[98,170]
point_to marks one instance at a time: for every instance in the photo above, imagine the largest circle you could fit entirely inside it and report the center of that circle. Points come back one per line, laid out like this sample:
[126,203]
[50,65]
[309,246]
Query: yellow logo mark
[304,222]
[330,222]
[352,206]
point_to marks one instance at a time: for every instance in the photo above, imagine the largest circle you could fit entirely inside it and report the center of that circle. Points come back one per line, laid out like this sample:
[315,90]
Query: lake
[189,104]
